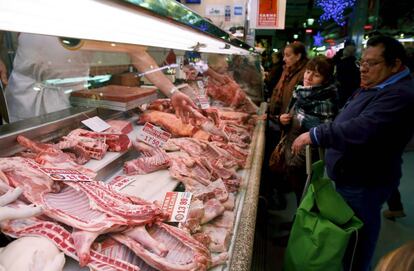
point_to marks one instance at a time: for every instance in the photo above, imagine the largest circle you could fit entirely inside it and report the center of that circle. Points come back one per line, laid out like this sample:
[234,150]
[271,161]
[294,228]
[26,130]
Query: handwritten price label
[203,101]
[177,205]
[153,135]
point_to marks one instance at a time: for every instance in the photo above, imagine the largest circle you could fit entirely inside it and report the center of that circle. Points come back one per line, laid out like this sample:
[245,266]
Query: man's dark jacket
[366,140]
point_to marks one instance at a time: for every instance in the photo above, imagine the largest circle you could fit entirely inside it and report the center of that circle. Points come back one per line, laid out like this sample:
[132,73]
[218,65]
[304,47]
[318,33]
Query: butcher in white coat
[39,58]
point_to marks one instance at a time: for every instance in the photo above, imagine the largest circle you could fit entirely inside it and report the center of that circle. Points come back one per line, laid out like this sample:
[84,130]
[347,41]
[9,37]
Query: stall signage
[153,135]
[214,10]
[96,124]
[238,10]
[203,101]
[267,15]
[177,205]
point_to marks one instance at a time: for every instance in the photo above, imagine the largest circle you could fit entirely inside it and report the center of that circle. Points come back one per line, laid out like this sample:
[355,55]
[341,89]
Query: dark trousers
[366,203]
[394,202]
[269,179]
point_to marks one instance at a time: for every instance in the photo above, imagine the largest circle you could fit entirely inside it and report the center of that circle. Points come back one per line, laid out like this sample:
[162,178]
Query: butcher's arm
[3,69]
[220,78]
[143,62]
[182,104]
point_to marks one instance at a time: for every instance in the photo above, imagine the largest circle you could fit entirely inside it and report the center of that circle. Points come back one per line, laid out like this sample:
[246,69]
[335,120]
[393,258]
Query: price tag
[153,135]
[177,204]
[200,84]
[96,124]
[203,101]
[202,90]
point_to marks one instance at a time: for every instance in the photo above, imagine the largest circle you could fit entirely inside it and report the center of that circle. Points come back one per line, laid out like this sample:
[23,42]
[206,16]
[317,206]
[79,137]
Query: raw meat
[184,252]
[220,237]
[168,122]
[119,127]
[212,209]
[153,159]
[63,240]
[31,253]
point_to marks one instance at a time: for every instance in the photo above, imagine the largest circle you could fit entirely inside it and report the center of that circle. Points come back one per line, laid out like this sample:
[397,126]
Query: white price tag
[177,205]
[153,135]
[203,101]
[200,84]
[96,124]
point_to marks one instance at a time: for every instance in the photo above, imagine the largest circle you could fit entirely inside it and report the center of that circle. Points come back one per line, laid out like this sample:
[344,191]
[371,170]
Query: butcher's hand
[300,141]
[3,73]
[183,105]
[285,119]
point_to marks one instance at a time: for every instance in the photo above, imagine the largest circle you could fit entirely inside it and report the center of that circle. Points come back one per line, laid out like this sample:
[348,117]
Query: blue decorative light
[318,39]
[334,9]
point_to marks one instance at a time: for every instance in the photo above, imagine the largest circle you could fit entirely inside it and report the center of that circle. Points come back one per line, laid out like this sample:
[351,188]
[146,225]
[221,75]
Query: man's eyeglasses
[368,63]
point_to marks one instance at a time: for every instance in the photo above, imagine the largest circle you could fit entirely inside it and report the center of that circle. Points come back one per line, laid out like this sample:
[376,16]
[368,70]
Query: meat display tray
[120,98]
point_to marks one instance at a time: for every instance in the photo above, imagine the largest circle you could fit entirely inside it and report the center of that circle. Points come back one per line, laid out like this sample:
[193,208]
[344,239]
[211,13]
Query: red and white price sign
[177,204]
[62,174]
[200,85]
[203,101]
[153,135]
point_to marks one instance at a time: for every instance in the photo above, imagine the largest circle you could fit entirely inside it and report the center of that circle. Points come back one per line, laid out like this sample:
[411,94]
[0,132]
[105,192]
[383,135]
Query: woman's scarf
[314,105]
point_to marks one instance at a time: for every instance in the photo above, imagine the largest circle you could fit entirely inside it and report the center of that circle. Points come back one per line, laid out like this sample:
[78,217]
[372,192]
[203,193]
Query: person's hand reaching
[285,119]
[183,105]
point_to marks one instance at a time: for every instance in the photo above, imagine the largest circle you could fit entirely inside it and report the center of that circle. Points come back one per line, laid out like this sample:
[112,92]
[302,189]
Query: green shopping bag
[323,225]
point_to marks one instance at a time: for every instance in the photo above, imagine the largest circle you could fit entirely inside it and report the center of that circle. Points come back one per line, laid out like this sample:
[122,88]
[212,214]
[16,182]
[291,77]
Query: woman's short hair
[323,66]
[298,48]
[401,259]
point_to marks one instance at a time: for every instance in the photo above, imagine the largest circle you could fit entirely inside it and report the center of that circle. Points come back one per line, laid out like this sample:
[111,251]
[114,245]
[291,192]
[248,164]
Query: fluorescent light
[406,40]
[105,21]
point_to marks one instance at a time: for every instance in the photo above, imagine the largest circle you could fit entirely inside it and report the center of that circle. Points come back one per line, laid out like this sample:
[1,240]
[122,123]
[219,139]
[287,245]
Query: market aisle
[394,234]
[268,254]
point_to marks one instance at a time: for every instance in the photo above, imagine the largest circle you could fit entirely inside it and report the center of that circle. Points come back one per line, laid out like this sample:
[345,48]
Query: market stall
[133,181]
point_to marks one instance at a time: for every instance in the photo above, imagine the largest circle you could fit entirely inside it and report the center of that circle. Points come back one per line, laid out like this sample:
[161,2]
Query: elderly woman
[312,103]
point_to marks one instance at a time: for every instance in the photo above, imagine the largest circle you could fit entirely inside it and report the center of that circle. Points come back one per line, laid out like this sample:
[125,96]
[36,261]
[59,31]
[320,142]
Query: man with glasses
[365,143]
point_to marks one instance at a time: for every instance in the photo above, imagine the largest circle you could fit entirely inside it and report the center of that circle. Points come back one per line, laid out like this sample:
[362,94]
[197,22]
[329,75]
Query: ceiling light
[310,21]
[131,27]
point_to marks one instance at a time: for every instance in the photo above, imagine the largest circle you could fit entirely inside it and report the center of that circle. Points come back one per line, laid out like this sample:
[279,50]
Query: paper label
[203,101]
[200,84]
[96,124]
[177,205]
[153,135]
[62,174]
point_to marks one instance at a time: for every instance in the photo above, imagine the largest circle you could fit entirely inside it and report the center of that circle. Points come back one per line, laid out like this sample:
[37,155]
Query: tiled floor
[268,255]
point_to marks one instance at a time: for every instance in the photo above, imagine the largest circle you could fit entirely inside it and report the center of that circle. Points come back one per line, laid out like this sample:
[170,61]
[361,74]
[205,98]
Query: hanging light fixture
[310,21]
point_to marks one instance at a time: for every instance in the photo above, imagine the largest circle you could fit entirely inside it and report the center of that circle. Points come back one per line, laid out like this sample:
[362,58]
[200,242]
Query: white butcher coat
[37,59]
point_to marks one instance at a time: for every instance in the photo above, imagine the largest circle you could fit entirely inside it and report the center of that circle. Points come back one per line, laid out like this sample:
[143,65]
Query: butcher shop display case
[103,169]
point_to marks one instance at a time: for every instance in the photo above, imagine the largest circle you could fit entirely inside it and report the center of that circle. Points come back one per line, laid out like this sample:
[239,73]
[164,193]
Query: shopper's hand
[300,141]
[183,105]
[3,73]
[285,119]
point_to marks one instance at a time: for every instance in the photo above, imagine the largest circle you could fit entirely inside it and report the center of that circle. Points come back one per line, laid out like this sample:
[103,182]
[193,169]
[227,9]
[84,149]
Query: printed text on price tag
[203,101]
[61,174]
[153,135]
[177,204]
